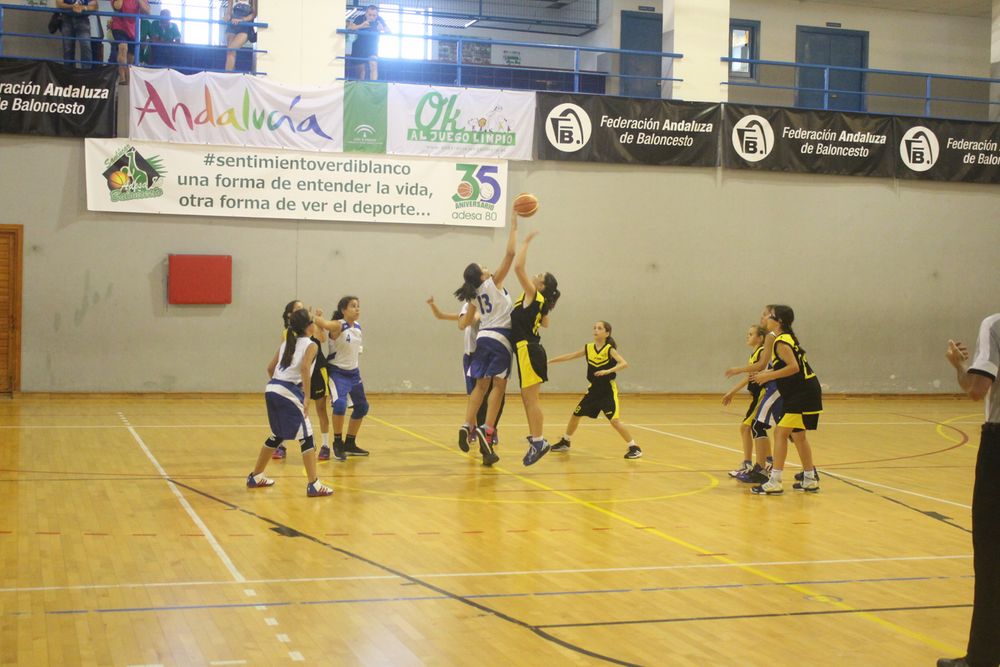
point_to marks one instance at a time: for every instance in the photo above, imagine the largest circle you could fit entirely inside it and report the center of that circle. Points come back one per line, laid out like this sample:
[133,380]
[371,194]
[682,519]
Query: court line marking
[796,465]
[868,616]
[214,543]
[502,573]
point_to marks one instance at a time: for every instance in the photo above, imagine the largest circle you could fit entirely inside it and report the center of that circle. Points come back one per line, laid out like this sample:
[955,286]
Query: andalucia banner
[472,122]
[127,176]
[235,110]
[51,99]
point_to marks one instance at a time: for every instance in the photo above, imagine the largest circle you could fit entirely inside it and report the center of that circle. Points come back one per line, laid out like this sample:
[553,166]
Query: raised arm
[333,326]
[567,357]
[519,269]
[975,385]
[438,313]
[508,257]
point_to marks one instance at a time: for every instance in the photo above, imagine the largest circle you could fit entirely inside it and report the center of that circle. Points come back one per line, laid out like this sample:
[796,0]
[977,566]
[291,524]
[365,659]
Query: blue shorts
[491,359]
[770,407]
[284,410]
[347,384]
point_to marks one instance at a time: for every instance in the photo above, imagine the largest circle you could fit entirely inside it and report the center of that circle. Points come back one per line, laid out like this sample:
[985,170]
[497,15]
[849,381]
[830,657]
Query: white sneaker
[744,468]
[318,488]
[768,488]
[810,484]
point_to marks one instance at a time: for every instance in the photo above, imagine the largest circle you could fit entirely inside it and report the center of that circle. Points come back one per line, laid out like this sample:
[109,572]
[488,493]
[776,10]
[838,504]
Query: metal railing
[886,91]
[34,39]
[469,62]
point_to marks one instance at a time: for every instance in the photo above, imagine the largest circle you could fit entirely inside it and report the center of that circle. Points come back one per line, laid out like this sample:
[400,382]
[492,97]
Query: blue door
[826,46]
[641,31]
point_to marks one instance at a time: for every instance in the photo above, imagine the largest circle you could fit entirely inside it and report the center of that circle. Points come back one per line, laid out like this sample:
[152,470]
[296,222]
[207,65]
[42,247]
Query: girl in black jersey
[803,402]
[603,362]
[753,434]
[530,312]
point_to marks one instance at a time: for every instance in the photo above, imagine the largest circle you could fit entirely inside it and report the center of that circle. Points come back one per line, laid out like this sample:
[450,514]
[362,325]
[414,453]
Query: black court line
[740,617]
[537,630]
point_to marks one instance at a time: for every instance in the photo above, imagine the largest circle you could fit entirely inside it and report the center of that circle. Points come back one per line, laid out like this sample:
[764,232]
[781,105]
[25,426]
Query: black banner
[822,142]
[948,150]
[588,128]
[55,100]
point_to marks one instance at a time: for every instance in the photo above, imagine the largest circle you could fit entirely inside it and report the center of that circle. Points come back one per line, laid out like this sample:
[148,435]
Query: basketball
[117,180]
[464,190]
[525,204]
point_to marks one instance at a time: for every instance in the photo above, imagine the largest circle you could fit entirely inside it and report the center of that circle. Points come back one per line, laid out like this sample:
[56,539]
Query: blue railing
[875,90]
[184,57]
[453,67]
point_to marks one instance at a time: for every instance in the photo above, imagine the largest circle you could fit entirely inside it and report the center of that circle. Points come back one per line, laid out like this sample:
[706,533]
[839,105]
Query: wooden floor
[128,537]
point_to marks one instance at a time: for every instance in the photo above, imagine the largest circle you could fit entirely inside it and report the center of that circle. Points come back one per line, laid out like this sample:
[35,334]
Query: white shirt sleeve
[987,356]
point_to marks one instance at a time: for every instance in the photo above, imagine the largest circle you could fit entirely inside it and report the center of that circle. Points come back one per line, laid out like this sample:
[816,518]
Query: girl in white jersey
[468,322]
[290,371]
[345,376]
[484,293]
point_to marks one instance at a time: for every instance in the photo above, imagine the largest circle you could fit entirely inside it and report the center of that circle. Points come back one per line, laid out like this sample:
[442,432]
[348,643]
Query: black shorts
[242,28]
[319,383]
[121,37]
[532,364]
[605,400]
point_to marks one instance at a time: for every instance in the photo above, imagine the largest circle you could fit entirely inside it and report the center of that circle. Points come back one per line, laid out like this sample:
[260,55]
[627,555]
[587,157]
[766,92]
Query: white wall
[679,260]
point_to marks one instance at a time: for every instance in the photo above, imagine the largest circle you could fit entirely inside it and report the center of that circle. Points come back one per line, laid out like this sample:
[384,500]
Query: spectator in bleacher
[239,15]
[76,28]
[123,28]
[161,32]
[369,27]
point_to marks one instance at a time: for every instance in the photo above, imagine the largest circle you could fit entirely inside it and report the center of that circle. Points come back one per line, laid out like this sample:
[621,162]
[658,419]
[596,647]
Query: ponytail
[298,323]
[473,278]
[784,315]
[550,290]
[611,341]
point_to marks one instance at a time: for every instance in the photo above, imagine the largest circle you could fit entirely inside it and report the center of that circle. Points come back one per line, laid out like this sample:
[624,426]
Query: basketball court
[129,538]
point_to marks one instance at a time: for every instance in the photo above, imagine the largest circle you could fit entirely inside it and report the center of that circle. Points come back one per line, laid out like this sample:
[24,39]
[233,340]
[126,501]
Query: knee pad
[360,410]
[272,442]
[758,430]
[340,406]
[306,444]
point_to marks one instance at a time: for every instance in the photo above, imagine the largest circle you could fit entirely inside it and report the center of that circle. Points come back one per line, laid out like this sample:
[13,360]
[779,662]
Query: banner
[947,150]
[821,142]
[366,109]
[618,129]
[425,120]
[55,100]
[233,110]
[142,177]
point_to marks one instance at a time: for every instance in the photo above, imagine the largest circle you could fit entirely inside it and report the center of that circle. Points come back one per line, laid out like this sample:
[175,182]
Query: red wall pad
[200,279]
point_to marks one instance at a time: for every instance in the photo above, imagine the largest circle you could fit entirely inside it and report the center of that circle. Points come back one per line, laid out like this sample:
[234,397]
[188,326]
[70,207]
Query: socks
[811,474]
[631,443]
[326,439]
[567,438]
[775,475]
[349,442]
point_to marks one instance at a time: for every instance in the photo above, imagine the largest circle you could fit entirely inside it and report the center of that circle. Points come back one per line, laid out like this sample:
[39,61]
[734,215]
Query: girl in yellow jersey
[529,313]
[603,362]
[753,433]
[803,402]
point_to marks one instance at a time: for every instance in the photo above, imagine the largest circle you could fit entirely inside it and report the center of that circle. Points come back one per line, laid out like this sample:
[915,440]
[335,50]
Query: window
[192,17]
[744,38]
[413,22]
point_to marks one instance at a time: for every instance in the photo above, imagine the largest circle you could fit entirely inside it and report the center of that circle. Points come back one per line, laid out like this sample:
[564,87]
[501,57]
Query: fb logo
[568,127]
[753,138]
[919,148]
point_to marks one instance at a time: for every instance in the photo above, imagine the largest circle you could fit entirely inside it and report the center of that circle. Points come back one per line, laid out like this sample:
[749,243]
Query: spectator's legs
[373,69]
[123,56]
[236,40]
[69,44]
[82,34]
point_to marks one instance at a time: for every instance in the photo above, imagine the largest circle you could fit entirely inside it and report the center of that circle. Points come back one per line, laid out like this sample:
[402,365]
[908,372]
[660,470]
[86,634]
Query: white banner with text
[145,177]
[214,108]
[426,120]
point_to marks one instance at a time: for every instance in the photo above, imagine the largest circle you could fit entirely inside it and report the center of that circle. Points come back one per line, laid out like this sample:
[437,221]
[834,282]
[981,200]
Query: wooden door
[10,307]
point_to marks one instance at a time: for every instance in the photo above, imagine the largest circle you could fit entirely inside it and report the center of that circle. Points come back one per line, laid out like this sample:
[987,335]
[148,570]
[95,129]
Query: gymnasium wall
[881,273]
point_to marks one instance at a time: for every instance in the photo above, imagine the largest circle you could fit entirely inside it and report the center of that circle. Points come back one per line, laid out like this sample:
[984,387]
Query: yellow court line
[713,481]
[940,430]
[868,616]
